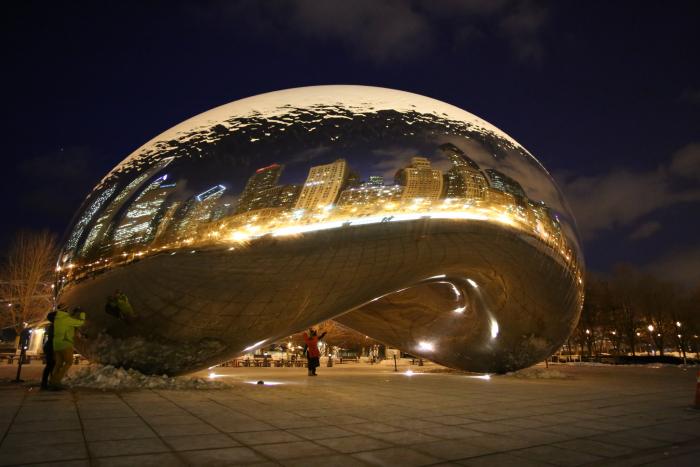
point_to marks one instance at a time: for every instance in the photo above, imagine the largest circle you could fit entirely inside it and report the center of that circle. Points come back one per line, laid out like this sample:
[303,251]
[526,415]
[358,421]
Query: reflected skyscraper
[503,182]
[420,180]
[464,179]
[369,194]
[141,219]
[97,241]
[254,194]
[323,185]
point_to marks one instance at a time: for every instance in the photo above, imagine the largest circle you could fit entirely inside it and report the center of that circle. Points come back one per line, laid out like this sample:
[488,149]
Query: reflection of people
[118,305]
[63,333]
[312,353]
[48,351]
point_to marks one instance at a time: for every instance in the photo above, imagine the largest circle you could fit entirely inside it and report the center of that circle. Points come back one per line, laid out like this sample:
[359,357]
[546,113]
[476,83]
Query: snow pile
[108,377]
[539,373]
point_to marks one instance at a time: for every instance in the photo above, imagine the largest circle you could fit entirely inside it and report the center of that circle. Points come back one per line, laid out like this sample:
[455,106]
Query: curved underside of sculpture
[460,295]
[404,218]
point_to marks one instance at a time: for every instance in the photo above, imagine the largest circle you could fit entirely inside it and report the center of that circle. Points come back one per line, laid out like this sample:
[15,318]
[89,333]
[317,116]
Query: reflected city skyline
[333,195]
[405,218]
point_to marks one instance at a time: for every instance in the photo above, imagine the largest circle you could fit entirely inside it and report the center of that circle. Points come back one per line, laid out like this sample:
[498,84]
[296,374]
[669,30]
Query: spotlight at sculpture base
[402,217]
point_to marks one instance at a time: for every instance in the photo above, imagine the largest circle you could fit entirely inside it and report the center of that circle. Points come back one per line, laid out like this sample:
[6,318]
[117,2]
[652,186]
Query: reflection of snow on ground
[108,377]
[539,373]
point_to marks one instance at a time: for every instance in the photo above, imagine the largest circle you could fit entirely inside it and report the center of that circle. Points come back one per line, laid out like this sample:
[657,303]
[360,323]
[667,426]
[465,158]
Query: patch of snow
[539,373]
[107,377]
[358,100]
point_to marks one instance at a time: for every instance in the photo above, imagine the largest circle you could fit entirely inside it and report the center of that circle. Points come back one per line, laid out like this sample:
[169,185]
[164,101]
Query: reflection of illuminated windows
[323,185]
[87,217]
[197,210]
[501,181]
[141,220]
[104,226]
[464,179]
[369,194]
[420,180]
[253,196]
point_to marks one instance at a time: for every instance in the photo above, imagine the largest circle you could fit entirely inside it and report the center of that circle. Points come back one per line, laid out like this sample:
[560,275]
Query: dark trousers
[313,364]
[50,363]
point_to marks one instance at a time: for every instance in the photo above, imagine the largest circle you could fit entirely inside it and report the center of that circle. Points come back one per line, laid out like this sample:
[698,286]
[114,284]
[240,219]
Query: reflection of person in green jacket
[63,332]
[118,305]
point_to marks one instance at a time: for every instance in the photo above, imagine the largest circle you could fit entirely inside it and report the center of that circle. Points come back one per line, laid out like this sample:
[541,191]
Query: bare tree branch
[27,275]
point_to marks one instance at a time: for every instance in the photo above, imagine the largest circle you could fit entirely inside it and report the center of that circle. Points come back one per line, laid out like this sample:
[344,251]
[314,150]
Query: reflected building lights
[356,177]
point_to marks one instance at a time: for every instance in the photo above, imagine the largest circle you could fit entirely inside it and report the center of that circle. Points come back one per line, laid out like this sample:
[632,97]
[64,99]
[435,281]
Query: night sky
[605,94]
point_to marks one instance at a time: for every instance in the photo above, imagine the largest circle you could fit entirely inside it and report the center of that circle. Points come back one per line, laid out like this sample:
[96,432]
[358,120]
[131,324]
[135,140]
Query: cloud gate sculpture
[402,217]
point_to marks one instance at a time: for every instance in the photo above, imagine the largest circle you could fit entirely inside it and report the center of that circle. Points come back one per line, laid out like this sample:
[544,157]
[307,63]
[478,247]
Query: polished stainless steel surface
[400,216]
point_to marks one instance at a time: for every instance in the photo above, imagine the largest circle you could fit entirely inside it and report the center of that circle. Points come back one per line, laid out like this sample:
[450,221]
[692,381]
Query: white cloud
[645,230]
[621,197]
[679,266]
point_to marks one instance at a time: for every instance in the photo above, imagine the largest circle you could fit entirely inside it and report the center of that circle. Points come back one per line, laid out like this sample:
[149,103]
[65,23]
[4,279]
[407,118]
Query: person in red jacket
[312,352]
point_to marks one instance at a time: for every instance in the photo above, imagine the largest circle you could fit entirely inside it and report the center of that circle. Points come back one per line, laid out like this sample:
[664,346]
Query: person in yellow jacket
[64,326]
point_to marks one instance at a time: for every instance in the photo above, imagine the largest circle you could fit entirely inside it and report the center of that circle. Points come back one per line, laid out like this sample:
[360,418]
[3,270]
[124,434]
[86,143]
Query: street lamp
[651,337]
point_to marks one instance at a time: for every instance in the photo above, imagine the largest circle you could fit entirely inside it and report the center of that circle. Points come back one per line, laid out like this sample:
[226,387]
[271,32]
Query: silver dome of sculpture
[402,217]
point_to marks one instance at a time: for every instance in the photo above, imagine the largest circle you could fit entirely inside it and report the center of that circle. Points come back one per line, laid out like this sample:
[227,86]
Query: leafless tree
[623,292]
[26,279]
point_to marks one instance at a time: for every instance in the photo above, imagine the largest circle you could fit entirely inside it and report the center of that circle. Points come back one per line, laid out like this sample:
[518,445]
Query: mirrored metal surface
[403,217]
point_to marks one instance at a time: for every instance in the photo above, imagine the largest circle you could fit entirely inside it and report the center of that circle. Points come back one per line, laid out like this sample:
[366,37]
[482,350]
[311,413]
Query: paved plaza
[358,415]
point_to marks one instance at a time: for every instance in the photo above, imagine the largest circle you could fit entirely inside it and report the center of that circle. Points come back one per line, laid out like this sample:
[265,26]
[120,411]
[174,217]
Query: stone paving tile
[452,432]
[105,433]
[598,424]
[10,455]
[292,450]
[116,413]
[632,440]
[598,448]
[253,438]
[404,457]
[529,422]
[491,427]
[486,416]
[125,447]
[147,460]
[73,463]
[122,422]
[233,426]
[191,442]
[413,424]
[327,461]
[340,419]
[286,424]
[371,427]
[172,419]
[679,457]
[450,420]
[225,456]
[178,430]
[355,443]
[452,449]
[498,443]
[663,434]
[28,416]
[556,456]
[45,426]
[501,460]
[571,431]
[690,427]
[404,437]
[42,438]
[323,432]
